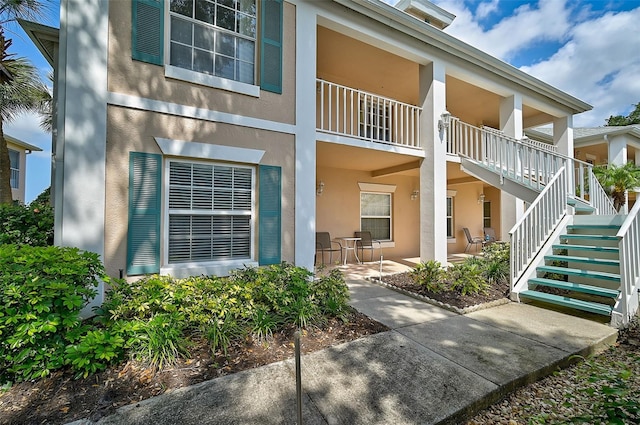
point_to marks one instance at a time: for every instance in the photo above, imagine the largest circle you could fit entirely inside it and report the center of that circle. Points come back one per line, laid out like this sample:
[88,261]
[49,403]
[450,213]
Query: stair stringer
[522,284]
[494,178]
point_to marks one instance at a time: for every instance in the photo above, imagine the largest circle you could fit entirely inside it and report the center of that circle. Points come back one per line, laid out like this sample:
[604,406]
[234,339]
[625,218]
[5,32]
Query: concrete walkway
[432,367]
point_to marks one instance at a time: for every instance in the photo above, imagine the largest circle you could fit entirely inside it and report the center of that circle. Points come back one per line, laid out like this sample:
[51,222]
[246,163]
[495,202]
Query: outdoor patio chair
[366,242]
[489,235]
[472,240]
[325,244]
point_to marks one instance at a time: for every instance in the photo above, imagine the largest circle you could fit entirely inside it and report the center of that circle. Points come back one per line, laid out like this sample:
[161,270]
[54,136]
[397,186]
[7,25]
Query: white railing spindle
[629,246]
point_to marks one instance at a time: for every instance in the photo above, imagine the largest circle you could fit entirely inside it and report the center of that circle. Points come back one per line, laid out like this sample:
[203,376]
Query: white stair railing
[346,111]
[525,161]
[537,224]
[629,247]
[598,198]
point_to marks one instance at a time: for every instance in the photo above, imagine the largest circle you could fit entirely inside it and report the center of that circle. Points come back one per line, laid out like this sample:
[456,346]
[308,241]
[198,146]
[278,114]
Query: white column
[82,125]
[511,208]
[433,170]
[305,204]
[563,135]
[617,150]
[618,156]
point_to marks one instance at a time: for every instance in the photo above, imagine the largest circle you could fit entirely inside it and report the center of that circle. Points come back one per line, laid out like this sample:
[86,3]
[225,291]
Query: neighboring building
[199,137]
[603,145]
[18,151]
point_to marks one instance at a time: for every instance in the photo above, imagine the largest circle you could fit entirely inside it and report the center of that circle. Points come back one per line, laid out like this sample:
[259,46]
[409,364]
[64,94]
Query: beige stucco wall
[338,208]
[467,212]
[131,130]
[145,80]
[350,62]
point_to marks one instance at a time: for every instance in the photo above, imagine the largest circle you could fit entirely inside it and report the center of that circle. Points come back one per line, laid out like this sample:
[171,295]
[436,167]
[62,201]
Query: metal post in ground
[296,342]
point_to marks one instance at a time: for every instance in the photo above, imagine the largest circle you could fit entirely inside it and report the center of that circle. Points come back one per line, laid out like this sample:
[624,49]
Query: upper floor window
[14,159]
[216,37]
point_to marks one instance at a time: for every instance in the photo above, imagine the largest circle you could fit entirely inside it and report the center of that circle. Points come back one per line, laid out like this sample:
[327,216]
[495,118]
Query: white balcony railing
[355,113]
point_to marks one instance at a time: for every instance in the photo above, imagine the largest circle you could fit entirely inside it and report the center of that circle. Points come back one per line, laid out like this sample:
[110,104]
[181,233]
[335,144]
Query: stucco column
[563,135]
[305,204]
[618,156]
[511,208]
[433,170]
[617,150]
[82,125]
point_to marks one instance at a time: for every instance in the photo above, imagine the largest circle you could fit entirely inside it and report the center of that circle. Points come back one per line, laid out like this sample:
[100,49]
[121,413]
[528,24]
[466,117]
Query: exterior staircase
[581,272]
[570,248]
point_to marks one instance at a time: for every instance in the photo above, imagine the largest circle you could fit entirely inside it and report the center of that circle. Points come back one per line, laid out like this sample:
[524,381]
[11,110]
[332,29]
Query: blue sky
[590,49]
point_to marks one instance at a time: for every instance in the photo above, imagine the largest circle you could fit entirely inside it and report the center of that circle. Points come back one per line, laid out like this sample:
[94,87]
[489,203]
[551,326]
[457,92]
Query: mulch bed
[60,398]
[403,281]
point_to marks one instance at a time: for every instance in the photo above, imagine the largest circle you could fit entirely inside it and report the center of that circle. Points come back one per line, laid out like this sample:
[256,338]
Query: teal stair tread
[580,272]
[578,287]
[587,248]
[595,237]
[568,302]
[588,260]
[593,226]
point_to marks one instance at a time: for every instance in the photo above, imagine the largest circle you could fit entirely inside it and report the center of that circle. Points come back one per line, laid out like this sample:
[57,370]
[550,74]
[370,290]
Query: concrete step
[592,307]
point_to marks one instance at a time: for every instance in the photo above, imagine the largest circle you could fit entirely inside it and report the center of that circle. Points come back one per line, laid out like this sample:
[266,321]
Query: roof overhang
[427,11]
[26,146]
[391,16]
[44,37]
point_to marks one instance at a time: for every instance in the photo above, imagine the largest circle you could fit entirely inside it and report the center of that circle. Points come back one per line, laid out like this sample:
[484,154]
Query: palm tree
[21,89]
[617,180]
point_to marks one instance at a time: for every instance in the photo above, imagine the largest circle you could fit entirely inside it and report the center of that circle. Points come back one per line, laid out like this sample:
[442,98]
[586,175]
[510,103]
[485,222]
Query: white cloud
[485,9]
[600,65]
[549,21]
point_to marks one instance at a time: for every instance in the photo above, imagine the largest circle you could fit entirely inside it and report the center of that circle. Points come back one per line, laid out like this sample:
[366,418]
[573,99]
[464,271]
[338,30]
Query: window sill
[387,244]
[211,81]
[451,240]
[221,268]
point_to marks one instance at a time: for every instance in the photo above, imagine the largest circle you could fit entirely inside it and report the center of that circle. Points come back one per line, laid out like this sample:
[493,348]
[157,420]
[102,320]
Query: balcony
[345,111]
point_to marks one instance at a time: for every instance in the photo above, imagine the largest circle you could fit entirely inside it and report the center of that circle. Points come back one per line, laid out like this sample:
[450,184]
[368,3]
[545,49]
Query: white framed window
[486,214]
[211,212]
[214,37]
[450,222]
[14,159]
[376,214]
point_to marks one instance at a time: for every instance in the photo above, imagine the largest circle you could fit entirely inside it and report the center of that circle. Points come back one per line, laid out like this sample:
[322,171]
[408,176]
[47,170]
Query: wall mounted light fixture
[415,194]
[481,198]
[320,188]
[445,121]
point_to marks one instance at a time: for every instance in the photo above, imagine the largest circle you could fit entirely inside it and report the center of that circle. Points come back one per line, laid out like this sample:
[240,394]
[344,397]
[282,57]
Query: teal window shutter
[269,215]
[147,31]
[271,45]
[143,235]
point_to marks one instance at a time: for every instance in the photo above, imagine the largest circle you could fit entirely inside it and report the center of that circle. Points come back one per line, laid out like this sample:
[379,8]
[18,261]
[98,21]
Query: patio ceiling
[379,163]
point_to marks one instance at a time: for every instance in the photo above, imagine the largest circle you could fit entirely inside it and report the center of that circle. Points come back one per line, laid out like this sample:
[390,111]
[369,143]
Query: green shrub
[26,224]
[331,294]
[429,274]
[468,277]
[42,290]
[160,341]
[94,351]
[497,262]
